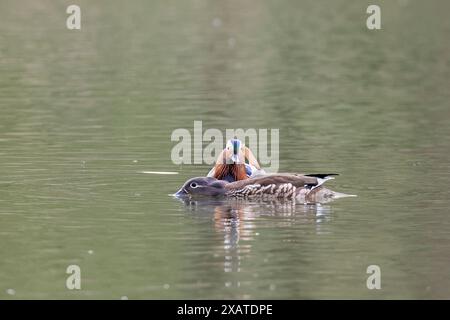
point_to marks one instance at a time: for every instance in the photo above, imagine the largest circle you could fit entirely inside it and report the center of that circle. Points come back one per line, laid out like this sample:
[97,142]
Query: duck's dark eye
[193,185]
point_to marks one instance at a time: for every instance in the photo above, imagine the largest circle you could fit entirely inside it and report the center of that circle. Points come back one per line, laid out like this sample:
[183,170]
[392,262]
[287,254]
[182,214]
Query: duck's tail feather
[321,179]
[321,175]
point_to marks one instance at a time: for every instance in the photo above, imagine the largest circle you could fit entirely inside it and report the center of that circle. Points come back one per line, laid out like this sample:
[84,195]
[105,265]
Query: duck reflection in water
[236,220]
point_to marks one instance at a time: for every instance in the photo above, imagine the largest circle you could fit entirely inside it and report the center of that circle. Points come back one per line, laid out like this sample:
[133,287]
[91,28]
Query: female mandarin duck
[303,188]
[231,163]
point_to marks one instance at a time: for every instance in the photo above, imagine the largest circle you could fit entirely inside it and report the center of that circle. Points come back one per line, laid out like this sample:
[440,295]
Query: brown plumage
[297,180]
[278,186]
[237,171]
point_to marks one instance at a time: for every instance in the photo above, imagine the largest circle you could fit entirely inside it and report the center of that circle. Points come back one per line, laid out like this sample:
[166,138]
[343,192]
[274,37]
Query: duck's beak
[181,193]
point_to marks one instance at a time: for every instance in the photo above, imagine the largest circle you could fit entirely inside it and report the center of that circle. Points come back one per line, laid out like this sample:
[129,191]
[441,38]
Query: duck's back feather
[297,180]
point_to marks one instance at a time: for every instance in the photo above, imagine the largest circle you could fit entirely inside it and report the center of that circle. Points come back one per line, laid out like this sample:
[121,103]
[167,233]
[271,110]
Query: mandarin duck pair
[237,174]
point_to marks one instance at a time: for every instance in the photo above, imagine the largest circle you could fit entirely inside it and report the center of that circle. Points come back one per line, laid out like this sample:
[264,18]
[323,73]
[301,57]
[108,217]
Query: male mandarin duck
[303,188]
[231,163]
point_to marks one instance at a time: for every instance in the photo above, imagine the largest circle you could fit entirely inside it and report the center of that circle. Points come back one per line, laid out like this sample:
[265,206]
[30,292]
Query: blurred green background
[84,113]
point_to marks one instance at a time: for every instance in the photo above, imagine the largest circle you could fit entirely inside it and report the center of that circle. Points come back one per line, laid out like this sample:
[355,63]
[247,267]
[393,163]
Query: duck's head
[234,152]
[202,186]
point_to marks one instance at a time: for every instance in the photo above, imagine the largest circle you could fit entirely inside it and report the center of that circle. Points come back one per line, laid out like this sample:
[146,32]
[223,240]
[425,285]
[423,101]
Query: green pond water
[84,113]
